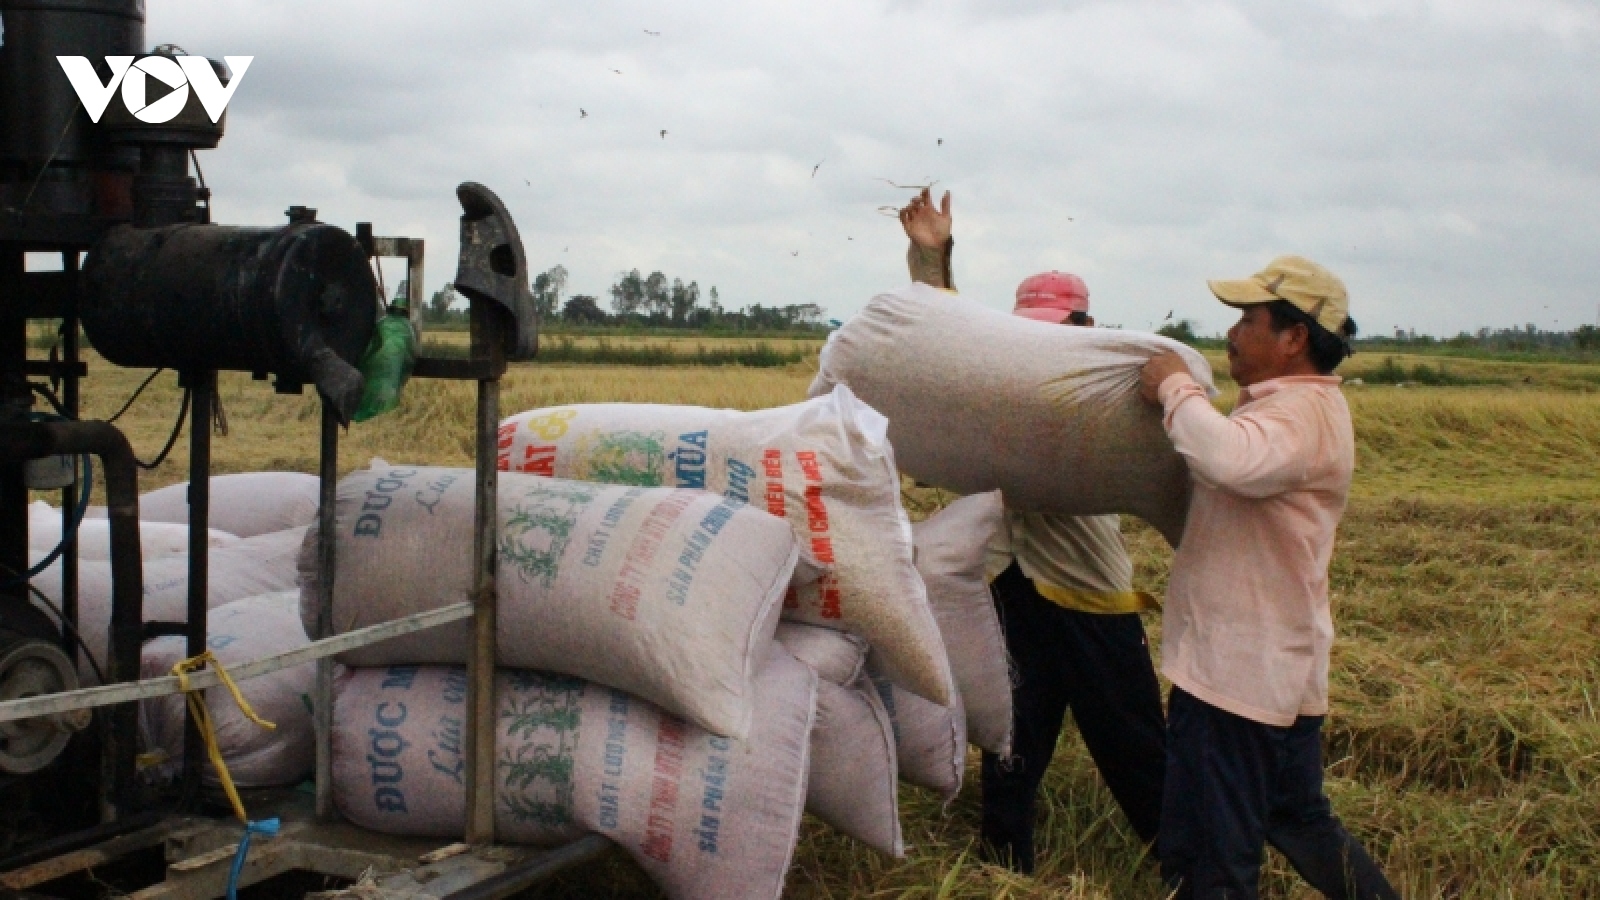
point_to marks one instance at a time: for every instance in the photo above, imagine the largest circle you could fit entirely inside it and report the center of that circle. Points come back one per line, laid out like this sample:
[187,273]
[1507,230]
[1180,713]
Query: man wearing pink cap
[1063,586]
[1054,297]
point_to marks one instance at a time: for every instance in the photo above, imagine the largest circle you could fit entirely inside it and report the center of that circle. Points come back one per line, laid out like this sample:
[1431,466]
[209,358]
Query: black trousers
[1098,666]
[1234,785]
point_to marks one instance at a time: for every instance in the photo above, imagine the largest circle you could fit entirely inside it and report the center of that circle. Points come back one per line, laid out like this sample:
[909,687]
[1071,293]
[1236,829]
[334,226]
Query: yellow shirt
[1077,562]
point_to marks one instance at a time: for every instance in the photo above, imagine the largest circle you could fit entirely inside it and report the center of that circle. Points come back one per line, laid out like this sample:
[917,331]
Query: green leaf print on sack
[542,718]
[537,785]
[537,530]
[634,458]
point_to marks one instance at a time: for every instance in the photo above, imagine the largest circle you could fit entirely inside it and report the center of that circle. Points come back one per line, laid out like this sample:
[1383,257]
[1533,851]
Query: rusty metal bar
[412,250]
[99,854]
[69,366]
[414,258]
[14,401]
[202,396]
[453,369]
[44,368]
[520,878]
[480,666]
[327,537]
[77,840]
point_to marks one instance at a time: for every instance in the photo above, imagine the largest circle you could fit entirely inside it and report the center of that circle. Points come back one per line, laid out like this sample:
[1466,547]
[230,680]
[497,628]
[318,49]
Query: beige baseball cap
[1307,286]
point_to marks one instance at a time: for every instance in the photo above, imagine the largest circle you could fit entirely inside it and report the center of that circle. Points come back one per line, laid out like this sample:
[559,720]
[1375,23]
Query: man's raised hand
[927,225]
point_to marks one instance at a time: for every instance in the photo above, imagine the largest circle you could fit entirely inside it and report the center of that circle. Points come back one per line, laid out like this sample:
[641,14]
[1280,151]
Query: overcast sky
[1442,157]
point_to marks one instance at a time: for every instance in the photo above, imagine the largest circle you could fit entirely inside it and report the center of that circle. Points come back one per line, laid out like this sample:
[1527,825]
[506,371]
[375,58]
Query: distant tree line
[1526,339]
[651,300]
[1584,339]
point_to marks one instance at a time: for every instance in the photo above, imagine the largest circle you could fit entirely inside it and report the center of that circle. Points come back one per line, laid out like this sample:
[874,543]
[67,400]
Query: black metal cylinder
[163,192]
[296,301]
[40,119]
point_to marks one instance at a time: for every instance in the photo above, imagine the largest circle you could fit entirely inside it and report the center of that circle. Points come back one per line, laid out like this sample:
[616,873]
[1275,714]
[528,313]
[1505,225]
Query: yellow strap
[202,718]
[148,760]
[1109,603]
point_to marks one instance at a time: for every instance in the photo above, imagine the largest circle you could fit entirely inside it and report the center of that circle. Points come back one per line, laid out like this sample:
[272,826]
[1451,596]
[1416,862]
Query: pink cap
[1051,297]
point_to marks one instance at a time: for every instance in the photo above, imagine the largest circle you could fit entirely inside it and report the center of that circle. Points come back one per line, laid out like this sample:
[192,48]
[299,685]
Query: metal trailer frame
[198,853]
[199,850]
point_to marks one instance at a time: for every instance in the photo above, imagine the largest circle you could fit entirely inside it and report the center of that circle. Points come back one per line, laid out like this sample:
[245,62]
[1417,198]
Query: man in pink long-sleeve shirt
[1247,630]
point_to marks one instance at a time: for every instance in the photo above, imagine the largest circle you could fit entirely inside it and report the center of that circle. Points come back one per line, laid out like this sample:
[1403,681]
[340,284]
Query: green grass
[1440,375]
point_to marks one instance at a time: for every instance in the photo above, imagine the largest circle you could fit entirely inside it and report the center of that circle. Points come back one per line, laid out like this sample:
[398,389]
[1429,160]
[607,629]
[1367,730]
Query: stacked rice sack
[709,620]
[236,633]
[824,465]
[640,696]
[704,815]
[258,522]
[880,632]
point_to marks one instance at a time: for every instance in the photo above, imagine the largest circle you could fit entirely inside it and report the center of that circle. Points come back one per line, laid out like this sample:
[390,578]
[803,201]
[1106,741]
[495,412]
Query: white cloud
[1441,156]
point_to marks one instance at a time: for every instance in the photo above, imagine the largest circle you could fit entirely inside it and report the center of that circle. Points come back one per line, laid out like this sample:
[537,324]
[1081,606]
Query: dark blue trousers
[1098,666]
[1234,785]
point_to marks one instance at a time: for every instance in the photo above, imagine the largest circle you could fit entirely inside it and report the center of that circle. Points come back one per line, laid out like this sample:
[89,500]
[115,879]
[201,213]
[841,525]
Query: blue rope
[265,828]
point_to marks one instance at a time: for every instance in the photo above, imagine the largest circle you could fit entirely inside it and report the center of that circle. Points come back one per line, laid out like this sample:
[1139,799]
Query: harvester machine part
[493,267]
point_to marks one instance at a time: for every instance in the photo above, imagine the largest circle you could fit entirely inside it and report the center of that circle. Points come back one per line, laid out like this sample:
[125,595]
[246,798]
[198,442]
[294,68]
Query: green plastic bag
[386,365]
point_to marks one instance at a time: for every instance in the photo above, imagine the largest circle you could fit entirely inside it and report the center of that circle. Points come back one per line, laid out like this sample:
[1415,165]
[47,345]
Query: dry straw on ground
[1464,746]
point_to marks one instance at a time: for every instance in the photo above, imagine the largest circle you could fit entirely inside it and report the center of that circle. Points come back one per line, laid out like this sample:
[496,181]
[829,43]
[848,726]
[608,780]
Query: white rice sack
[930,740]
[240,632]
[263,564]
[951,548]
[825,465]
[245,504]
[853,769]
[156,539]
[667,594]
[704,816]
[838,657]
[979,400]
[853,786]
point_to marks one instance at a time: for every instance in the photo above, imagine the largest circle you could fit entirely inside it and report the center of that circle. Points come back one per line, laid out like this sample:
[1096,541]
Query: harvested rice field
[1464,744]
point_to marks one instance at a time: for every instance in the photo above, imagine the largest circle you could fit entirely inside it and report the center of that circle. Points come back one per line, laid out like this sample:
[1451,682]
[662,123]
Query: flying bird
[527,182]
[1169,315]
[941,142]
[618,71]
[794,252]
[583,113]
[652,33]
[816,167]
[663,134]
